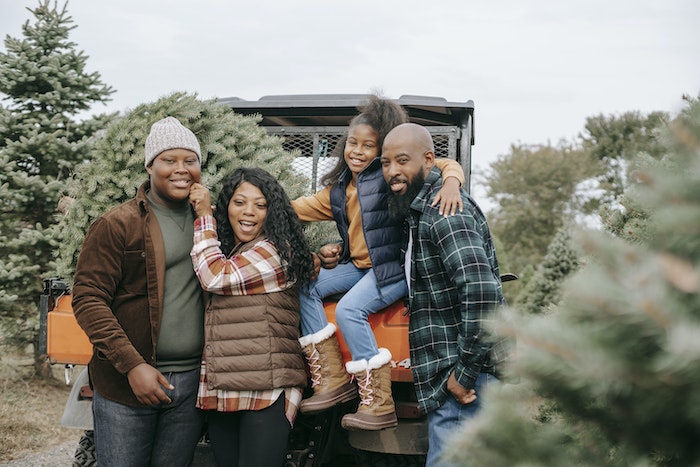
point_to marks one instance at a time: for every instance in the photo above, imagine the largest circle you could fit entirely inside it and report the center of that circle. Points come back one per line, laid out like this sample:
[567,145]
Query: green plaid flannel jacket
[454,288]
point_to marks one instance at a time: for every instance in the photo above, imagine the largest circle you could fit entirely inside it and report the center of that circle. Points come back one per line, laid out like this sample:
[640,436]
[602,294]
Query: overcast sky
[534,69]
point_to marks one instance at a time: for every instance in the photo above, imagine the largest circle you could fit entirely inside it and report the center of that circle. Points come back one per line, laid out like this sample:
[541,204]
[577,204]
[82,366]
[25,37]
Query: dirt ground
[30,417]
[30,414]
[60,455]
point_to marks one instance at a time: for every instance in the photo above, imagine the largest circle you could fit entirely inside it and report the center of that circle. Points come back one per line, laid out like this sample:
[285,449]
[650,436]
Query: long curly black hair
[378,112]
[282,226]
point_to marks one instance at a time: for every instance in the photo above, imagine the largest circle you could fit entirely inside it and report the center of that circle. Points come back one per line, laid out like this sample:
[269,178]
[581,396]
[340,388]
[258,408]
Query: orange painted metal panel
[67,343]
[390,328]
[65,340]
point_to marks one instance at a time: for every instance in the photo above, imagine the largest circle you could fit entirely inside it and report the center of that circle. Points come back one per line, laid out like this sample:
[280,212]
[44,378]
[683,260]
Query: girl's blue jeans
[363,297]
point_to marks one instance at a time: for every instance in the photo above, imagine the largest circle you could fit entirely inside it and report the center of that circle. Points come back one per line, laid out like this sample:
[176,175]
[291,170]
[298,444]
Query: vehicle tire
[85,452]
[383,459]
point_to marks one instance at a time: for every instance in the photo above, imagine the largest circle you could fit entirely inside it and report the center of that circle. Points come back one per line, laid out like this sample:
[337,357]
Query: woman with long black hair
[251,255]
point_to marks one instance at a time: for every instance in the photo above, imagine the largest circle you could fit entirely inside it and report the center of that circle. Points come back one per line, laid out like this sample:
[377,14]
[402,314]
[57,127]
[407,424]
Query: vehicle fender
[78,410]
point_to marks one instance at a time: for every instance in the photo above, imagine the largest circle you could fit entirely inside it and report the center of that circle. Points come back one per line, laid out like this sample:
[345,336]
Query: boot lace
[315,367]
[364,386]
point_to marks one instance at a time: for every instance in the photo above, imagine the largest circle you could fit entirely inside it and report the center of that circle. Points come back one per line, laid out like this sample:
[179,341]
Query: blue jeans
[362,298]
[445,421]
[162,435]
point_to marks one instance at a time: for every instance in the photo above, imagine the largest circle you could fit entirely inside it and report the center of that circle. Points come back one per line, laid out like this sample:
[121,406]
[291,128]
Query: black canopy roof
[338,109]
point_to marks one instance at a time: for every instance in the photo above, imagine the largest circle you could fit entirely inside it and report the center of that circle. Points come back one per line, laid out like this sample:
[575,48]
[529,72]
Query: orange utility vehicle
[311,125]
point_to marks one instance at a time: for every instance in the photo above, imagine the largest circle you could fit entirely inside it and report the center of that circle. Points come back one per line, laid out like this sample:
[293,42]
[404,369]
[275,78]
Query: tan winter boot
[329,380]
[376,410]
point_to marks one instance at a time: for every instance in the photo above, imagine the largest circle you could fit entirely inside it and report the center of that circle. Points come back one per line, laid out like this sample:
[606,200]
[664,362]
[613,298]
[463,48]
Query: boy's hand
[148,383]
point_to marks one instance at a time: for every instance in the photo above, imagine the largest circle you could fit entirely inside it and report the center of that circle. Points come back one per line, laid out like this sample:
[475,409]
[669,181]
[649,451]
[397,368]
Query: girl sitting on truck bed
[369,270]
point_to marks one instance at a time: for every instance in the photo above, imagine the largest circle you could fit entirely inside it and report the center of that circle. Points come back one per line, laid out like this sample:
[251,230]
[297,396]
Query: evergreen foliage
[544,289]
[536,190]
[504,266]
[612,376]
[629,220]
[44,87]
[617,139]
[228,140]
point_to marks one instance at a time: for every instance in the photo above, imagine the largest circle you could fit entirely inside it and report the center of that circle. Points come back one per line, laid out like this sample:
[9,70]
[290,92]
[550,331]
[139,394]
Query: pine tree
[629,220]
[544,289]
[44,87]
[537,191]
[228,141]
[612,376]
[615,140]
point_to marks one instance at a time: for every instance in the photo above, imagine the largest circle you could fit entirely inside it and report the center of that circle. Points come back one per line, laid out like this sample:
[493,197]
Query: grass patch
[30,408]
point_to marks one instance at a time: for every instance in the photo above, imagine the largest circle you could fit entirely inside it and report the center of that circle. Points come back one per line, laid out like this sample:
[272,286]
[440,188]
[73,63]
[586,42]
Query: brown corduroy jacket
[118,294]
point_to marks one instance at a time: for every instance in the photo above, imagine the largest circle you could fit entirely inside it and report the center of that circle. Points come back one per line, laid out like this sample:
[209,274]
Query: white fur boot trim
[318,336]
[378,361]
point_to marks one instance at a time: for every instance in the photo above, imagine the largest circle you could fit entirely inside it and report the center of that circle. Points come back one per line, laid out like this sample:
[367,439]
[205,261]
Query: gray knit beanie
[169,133]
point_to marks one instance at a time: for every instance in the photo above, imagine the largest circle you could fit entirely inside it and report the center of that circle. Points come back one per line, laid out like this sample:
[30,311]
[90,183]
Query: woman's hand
[200,199]
[449,197]
[317,265]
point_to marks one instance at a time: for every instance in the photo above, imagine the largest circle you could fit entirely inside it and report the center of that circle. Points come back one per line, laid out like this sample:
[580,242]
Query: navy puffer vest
[382,235]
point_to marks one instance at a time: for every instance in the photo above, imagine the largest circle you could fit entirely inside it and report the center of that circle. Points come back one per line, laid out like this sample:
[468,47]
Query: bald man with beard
[454,288]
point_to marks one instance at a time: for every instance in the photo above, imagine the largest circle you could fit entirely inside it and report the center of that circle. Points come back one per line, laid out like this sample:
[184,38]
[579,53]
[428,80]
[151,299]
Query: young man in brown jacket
[136,296]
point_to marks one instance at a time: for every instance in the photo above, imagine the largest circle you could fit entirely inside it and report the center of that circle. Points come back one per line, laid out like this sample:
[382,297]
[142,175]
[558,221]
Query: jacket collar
[141,197]
[346,176]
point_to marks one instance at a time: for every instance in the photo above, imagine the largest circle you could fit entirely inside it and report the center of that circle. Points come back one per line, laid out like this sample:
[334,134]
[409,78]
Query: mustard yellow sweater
[317,207]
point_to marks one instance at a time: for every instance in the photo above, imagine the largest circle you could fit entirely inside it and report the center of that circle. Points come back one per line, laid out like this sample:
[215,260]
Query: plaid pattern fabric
[454,287]
[233,401]
[255,271]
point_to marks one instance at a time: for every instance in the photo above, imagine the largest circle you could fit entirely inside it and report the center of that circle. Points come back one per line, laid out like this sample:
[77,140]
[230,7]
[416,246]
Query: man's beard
[400,204]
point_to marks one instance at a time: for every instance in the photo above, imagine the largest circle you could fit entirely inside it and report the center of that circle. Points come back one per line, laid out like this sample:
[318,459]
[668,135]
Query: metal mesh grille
[316,144]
